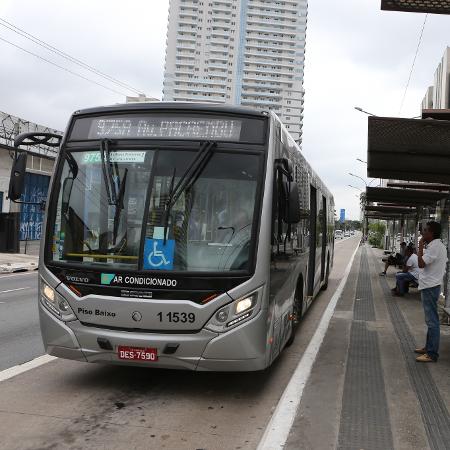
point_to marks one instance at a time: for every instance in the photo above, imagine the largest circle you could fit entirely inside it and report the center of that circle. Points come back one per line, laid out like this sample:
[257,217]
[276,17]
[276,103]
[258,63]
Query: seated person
[410,273]
[395,260]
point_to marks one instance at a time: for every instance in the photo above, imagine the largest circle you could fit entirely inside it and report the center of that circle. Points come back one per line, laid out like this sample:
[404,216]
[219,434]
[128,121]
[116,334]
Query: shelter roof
[419,6]
[409,149]
[404,197]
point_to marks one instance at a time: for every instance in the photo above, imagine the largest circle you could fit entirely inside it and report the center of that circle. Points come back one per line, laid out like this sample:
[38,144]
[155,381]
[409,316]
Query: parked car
[338,234]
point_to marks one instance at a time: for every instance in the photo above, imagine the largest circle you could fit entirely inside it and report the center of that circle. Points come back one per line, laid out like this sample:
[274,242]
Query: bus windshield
[111,205]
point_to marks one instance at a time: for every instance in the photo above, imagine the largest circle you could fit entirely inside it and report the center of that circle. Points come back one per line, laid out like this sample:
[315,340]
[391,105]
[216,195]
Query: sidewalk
[19,262]
[366,390]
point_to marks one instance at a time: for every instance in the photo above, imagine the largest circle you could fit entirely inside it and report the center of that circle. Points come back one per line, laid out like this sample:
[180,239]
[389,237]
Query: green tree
[377,231]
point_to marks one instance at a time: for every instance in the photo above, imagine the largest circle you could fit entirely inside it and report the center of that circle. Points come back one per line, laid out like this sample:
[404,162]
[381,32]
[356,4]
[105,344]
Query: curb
[18,267]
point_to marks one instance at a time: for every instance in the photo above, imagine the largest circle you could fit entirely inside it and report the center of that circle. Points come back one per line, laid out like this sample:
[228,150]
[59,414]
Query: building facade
[239,52]
[40,164]
[438,95]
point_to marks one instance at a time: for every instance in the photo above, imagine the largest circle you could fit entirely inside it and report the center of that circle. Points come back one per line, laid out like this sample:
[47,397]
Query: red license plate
[137,353]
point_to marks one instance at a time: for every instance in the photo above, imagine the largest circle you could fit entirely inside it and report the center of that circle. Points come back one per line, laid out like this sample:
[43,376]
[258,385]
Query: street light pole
[365,112]
[366,220]
[357,176]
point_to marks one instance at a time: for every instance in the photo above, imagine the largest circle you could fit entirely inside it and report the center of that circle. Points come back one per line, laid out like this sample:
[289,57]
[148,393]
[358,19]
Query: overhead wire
[10,26]
[413,63]
[62,67]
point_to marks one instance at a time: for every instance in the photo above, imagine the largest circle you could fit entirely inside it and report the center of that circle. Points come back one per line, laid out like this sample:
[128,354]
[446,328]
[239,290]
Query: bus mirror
[293,212]
[17,180]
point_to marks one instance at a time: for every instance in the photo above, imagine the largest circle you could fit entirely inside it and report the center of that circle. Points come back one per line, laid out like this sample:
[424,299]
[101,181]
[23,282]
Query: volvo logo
[136,316]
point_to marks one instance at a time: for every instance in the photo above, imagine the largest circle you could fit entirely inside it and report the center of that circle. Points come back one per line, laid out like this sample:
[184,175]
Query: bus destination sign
[138,127]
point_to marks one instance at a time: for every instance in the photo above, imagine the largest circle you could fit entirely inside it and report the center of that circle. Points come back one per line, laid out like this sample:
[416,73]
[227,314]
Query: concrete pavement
[20,337]
[366,391]
[27,259]
[65,404]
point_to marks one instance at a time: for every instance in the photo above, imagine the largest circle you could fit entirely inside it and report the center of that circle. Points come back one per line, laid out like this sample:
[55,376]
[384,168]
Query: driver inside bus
[240,223]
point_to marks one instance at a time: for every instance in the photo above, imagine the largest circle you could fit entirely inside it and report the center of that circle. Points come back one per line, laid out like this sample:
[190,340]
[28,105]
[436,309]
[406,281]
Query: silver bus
[178,235]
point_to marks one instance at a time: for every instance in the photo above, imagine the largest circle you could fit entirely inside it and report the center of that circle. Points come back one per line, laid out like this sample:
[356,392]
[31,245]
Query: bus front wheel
[296,313]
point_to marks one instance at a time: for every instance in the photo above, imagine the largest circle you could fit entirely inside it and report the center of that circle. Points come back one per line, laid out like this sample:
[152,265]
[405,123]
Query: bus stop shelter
[414,155]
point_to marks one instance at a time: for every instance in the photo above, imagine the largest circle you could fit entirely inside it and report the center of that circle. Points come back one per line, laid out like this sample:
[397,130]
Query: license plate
[137,353]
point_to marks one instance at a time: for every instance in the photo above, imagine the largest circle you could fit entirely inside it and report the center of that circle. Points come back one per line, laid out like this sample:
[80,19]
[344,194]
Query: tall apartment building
[239,52]
[438,95]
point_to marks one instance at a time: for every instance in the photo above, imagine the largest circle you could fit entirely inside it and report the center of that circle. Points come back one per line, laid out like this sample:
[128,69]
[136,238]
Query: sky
[356,55]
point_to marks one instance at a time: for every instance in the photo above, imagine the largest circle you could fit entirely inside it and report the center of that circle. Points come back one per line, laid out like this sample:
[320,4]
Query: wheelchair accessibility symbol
[158,256]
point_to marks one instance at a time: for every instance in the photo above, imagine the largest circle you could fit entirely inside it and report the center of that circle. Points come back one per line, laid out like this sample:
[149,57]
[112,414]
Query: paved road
[20,337]
[65,404]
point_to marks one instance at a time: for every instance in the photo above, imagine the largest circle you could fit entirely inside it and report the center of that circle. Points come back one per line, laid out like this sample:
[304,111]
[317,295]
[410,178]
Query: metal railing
[11,126]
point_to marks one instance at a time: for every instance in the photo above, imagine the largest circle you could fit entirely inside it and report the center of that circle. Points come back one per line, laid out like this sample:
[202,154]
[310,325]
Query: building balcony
[278,65]
[199,98]
[279,29]
[276,24]
[284,49]
[272,56]
[261,93]
[273,11]
[249,102]
[261,85]
[182,89]
[187,38]
[181,64]
[183,46]
[287,7]
[247,71]
[219,33]
[188,13]
[219,43]
[250,35]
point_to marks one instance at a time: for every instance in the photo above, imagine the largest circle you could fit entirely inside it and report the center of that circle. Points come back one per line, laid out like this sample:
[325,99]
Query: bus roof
[176,106]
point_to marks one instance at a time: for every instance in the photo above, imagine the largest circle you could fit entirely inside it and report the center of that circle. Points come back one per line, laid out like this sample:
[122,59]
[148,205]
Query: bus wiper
[187,179]
[119,205]
[114,198]
[110,186]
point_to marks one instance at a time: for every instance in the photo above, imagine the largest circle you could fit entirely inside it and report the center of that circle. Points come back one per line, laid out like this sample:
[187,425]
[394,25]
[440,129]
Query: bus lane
[66,404]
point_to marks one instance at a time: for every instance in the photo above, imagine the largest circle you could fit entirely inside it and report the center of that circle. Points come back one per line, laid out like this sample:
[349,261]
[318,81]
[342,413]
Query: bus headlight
[56,303]
[233,314]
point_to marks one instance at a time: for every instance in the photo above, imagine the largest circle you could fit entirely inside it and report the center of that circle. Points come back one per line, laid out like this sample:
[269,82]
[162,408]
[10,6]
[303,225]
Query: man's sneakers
[425,358]
[382,274]
[421,351]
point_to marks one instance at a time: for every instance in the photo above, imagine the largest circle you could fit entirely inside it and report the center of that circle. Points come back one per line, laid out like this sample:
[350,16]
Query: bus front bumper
[203,351]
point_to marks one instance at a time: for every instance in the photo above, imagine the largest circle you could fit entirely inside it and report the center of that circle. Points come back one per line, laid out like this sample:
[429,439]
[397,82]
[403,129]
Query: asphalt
[65,404]
[20,337]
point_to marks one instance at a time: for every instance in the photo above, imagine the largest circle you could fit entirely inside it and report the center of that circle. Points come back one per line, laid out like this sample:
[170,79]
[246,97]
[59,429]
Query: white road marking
[13,290]
[21,368]
[21,274]
[279,426]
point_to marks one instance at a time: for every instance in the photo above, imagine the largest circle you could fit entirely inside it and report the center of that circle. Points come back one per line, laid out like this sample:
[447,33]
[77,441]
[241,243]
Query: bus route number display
[165,128]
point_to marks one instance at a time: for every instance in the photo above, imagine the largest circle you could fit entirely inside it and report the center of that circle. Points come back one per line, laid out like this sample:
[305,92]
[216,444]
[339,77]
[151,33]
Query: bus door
[324,221]
[312,239]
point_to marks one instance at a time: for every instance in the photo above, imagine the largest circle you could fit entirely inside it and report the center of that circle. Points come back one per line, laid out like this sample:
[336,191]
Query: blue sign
[342,216]
[158,256]
[106,278]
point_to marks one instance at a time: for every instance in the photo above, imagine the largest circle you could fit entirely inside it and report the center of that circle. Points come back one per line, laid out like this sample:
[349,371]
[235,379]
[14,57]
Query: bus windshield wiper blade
[119,205]
[107,172]
[187,179]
